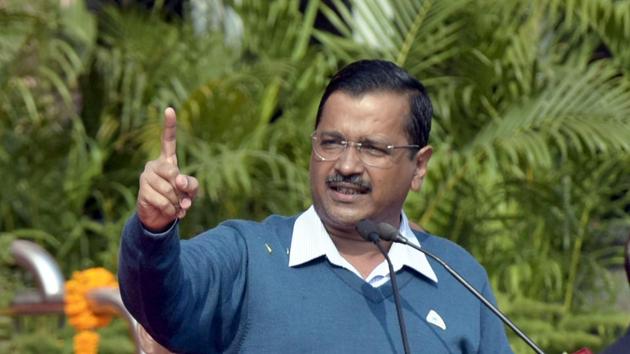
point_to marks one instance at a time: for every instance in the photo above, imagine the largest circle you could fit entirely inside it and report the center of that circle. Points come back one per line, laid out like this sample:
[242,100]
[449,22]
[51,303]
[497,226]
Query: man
[310,283]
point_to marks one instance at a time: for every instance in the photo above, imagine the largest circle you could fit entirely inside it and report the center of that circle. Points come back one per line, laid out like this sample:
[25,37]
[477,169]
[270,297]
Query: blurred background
[531,169]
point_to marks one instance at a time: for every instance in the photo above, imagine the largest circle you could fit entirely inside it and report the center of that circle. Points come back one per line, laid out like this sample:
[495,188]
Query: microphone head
[368,230]
[387,231]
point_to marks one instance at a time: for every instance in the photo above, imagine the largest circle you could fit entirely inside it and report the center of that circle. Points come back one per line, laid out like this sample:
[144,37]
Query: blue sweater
[230,290]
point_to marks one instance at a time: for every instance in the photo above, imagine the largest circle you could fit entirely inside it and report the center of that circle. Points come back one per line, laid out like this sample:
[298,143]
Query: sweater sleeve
[186,294]
[493,337]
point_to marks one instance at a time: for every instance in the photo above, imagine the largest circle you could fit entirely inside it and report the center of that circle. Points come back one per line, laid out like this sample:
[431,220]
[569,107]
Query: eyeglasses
[330,146]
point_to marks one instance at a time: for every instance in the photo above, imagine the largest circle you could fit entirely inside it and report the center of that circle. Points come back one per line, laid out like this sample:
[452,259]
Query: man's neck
[361,254]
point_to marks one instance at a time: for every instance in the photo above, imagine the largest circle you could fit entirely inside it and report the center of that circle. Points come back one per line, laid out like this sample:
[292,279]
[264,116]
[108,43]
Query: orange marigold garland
[78,311]
[86,342]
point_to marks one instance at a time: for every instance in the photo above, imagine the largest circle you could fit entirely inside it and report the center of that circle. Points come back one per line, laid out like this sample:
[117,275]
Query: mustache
[355,180]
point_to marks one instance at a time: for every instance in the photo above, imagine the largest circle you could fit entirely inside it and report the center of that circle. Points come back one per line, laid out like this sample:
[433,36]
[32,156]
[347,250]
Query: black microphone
[369,231]
[389,233]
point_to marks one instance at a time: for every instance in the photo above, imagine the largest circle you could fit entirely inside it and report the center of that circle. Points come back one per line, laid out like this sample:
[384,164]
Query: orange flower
[77,309]
[86,342]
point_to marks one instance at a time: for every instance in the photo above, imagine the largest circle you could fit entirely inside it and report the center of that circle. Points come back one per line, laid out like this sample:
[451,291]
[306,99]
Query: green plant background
[531,170]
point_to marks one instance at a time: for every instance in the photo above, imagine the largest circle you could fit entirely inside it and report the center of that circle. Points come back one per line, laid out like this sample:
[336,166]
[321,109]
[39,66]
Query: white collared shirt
[310,240]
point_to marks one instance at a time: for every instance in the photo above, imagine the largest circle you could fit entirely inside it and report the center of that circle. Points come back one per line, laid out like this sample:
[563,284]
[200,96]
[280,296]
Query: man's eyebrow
[335,134]
[364,140]
[373,141]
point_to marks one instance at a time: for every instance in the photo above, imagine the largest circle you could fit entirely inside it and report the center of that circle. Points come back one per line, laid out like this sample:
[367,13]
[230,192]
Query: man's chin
[342,220]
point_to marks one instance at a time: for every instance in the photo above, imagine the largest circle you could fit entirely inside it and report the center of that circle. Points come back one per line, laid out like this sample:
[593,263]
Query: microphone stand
[397,237]
[367,230]
[401,320]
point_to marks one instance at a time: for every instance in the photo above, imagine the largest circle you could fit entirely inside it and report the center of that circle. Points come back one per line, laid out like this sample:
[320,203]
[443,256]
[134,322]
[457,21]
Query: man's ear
[422,162]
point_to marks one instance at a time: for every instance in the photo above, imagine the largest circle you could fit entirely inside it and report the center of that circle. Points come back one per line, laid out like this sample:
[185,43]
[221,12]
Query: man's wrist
[159,232]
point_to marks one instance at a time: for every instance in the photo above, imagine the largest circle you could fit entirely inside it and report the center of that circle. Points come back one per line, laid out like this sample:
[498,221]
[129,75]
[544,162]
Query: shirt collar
[310,240]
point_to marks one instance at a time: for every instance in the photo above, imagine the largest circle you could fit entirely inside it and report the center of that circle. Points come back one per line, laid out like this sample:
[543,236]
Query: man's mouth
[348,185]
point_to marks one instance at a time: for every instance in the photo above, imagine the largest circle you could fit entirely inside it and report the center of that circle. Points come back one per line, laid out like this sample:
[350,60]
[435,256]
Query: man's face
[347,190]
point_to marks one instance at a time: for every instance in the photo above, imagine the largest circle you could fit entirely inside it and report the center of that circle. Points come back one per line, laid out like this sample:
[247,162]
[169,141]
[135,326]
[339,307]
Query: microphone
[389,233]
[370,232]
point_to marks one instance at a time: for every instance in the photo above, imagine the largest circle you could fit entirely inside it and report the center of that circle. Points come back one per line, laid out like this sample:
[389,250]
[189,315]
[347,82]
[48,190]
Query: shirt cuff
[159,234]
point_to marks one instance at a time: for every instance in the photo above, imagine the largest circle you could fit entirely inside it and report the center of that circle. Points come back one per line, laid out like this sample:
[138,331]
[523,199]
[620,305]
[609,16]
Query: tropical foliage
[531,134]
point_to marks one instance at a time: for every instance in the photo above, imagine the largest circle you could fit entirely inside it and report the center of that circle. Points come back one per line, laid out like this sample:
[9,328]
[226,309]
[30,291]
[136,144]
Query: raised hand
[165,194]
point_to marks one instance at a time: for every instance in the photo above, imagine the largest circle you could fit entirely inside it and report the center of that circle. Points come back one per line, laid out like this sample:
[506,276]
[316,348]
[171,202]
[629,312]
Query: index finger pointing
[169,135]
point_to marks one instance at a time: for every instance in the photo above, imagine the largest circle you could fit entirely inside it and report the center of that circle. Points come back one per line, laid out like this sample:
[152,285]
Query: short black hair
[365,76]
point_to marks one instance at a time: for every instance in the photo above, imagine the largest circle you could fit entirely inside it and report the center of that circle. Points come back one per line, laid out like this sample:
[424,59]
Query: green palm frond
[611,20]
[585,112]
[276,29]
[415,34]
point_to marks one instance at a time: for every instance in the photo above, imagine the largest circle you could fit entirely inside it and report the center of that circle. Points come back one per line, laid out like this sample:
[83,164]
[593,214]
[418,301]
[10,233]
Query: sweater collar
[310,240]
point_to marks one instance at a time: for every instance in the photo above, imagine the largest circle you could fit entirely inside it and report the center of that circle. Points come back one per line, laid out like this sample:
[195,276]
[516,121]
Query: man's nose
[350,160]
